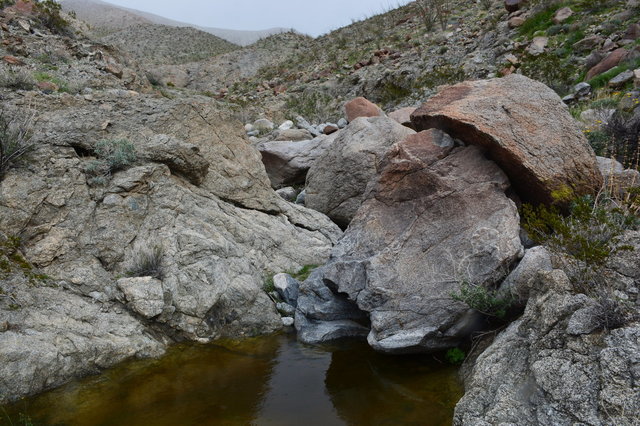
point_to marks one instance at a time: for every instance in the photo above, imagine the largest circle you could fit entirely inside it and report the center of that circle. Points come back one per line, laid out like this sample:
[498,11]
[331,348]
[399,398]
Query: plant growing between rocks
[113,155]
[147,262]
[15,141]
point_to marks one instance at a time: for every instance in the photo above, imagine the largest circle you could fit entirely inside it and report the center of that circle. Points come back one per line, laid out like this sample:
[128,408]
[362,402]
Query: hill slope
[106,18]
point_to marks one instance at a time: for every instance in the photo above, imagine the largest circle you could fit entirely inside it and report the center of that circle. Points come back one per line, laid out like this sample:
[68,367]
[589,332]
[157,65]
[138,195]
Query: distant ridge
[106,18]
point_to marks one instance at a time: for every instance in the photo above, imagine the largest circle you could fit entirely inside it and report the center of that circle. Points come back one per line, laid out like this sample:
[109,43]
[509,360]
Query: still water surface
[270,380]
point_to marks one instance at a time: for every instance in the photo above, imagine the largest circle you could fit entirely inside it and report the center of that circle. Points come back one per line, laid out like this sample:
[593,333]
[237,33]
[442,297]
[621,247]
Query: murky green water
[265,381]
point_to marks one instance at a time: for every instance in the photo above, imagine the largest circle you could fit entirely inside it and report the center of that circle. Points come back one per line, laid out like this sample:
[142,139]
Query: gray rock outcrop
[337,180]
[435,217]
[218,238]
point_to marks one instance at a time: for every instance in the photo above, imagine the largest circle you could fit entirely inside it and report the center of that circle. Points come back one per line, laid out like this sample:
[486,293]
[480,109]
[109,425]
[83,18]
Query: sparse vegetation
[50,15]
[147,262]
[455,356]
[17,80]
[15,141]
[113,155]
[487,301]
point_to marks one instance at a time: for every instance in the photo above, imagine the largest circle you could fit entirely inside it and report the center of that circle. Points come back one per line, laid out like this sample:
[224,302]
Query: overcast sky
[312,17]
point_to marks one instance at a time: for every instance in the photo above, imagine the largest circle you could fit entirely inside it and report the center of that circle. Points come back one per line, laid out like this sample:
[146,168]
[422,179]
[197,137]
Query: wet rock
[526,130]
[337,179]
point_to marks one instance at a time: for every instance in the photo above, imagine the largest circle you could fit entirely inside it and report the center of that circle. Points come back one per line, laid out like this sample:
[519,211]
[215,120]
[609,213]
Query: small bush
[486,301]
[6,3]
[15,141]
[17,80]
[113,155]
[147,262]
[50,15]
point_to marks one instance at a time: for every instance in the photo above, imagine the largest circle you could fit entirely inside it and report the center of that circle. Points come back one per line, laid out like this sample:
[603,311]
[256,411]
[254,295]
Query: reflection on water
[265,381]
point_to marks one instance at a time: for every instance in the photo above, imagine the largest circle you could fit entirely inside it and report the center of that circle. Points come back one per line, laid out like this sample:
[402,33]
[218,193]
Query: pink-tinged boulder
[361,107]
[610,61]
[403,116]
[526,130]
[434,216]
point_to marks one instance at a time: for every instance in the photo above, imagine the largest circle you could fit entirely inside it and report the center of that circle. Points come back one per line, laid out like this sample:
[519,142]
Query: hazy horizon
[309,17]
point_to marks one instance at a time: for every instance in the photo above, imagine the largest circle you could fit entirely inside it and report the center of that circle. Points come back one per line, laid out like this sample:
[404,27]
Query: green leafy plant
[489,302]
[455,356]
[50,15]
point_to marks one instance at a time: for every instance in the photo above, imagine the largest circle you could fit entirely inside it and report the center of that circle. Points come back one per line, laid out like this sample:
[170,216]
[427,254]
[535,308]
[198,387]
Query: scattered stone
[12,60]
[286,125]
[293,135]
[304,124]
[621,79]
[47,87]
[361,107]
[24,25]
[285,309]
[582,90]
[513,5]
[516,21]
[588,43]
[263,125]
[593,59]
[342,123]
[525,128]
[301,198]
[330,129]
[562,15]
[287,287]
[337,180]
[249,127]
[610,61]
[538,45]
[287,321]
[632,33]
[289,193]
[403,116]
[636,78]
[114,70]
[144,294]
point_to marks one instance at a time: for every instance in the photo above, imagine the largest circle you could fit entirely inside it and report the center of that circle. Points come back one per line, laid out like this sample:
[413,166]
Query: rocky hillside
[136,213]
[155,44]
[106,18]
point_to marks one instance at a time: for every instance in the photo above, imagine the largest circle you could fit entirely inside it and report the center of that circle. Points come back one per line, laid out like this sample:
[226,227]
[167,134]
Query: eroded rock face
[553,366]
[525,129]
[337,180]
[435,216]
[218,238]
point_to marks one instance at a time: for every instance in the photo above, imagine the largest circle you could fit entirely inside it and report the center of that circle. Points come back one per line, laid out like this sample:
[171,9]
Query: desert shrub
[6,3]
[623,131]
[17,80]
[551,69]
[441,75]
[147,262]
[113,155]
[50,15]
[584,241]
[487,301]
[15,141]
[432,12]
[315,106]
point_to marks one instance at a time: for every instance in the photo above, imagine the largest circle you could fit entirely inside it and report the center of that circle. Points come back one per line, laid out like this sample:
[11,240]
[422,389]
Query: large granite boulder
[526,130]
[337,180]
[287,162]
[361,107]
[436,216]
